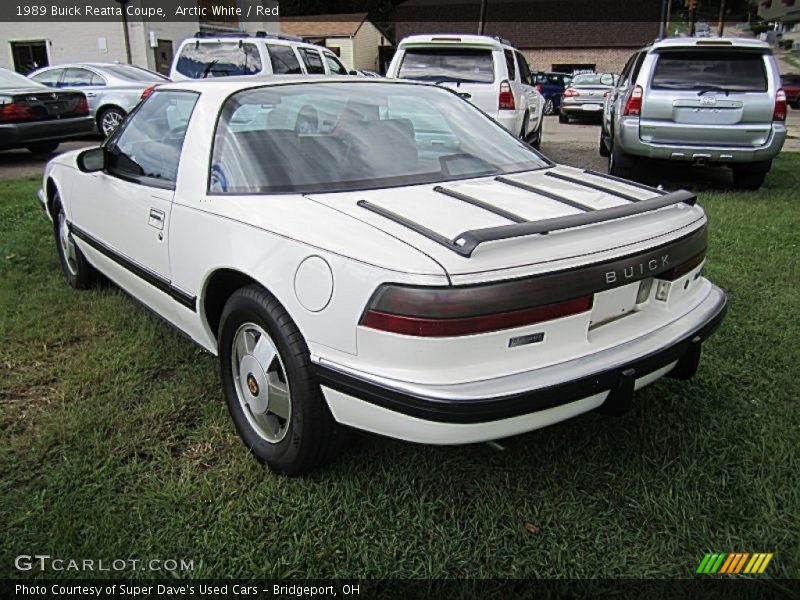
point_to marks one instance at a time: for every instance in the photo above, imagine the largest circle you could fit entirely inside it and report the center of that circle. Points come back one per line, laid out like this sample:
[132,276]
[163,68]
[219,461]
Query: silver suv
[703,101]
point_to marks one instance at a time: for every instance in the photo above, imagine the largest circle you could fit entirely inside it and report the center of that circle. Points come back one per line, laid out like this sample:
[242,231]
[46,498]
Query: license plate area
[612,305]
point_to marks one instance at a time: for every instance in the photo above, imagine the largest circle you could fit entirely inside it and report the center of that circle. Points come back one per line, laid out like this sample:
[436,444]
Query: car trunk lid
[45,105]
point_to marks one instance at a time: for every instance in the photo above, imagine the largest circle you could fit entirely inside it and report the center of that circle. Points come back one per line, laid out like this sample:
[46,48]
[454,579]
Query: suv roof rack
[244,34]
[502,40]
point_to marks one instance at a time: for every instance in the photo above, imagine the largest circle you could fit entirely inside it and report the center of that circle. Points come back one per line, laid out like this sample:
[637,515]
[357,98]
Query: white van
[487,71]
[206,56]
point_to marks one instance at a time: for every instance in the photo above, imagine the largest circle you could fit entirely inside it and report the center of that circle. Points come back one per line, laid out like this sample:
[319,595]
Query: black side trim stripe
[479,203]
[543,192]
[628,182]
[504,407]
[595,186]
[153,279]
[412,225]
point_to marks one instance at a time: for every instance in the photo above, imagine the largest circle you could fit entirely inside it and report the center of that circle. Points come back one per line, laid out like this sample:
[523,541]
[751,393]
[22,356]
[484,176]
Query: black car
[35,117]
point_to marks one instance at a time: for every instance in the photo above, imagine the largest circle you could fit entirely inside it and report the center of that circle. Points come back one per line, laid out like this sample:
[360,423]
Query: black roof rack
[244,34]
[466,243]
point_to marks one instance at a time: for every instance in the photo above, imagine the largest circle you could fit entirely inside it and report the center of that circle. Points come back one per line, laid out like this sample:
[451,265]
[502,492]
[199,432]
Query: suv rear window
[218,59]
[723,71]
[465,65]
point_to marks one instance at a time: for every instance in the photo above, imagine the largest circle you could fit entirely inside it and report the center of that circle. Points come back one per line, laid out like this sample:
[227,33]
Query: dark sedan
[585,95]
[791,87]
[37,118]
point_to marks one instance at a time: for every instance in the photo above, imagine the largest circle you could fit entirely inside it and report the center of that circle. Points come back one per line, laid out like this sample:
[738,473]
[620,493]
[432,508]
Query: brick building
[554,35]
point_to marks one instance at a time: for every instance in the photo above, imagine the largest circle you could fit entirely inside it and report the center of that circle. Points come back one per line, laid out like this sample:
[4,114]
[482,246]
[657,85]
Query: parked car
[702,30]
[697,101]
[33,117]
[367,73]
[486,71]
[791,87]
[208,56]
[113,89]
[410,268]
[585,95]
[551,86]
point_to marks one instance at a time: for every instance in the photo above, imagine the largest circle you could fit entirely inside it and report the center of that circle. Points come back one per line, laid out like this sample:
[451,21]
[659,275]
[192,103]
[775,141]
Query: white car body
[526,116]
[324,255]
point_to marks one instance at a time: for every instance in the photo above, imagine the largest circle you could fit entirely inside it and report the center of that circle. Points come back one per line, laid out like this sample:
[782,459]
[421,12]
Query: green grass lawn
[116,443]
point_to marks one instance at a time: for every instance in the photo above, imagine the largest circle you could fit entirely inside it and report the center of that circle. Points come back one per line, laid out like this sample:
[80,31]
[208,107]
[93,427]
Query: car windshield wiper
[702,89]
[208,68]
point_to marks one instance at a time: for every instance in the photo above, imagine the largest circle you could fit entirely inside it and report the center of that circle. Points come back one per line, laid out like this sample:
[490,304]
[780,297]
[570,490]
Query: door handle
[90,94]
[156,218]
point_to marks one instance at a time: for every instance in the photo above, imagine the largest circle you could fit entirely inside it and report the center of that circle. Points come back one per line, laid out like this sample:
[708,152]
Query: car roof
[233,39]
[712,42]
[454,39]
[243,82]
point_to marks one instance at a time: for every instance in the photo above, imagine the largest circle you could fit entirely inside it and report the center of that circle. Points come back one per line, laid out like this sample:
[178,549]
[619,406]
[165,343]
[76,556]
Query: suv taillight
[15,112]
[569,93]
[448,312]
[538,87]
[779,114]
[633,107]
[506,97]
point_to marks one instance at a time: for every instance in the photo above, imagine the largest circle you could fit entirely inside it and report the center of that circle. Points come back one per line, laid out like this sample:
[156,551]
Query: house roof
[323,25]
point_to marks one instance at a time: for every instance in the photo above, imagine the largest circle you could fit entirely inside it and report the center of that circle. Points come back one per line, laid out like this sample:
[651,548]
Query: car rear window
[713,70]
[218,59]
[465,65]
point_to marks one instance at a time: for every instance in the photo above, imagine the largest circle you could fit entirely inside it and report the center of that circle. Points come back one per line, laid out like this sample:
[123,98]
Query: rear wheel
[77,270]
[43,147]
[749,177]
[109,119]
[549,106]
[272,395]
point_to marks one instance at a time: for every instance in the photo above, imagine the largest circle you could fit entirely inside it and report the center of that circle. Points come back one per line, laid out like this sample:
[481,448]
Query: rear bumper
[628,138]
[510,405]
[19,135]
[587,108]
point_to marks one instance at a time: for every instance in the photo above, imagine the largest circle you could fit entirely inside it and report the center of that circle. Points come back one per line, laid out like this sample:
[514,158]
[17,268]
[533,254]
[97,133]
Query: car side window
[49,78]
[147,148]
[334,66]
[524,70]
[80,77]
[512,70]
[283,60]
[313,61]
[637,66]
[626,70]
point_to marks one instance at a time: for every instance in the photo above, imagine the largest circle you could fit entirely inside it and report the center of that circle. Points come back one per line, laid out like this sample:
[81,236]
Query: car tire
[43,147]
[750,177]
[108,119]
[549,106]
[562,118]
[77,270]
[262,353]
[603,148]
[796,104]
[620,164]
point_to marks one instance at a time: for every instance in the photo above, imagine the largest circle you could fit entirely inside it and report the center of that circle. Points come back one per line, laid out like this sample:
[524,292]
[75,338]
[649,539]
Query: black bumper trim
[618,380]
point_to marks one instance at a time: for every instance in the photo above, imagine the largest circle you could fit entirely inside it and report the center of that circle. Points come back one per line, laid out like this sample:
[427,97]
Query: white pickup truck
[399,264]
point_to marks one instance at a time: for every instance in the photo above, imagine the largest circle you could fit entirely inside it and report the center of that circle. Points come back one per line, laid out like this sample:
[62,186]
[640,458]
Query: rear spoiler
[466,243]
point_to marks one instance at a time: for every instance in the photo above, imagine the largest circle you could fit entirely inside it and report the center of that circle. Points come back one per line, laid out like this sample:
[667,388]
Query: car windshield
[133,74]
[710,70]
[463,65]
[10,80]
[593,79]
[333,137]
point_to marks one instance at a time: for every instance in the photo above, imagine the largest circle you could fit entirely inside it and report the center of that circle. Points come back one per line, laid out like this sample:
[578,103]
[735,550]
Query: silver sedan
[113,89]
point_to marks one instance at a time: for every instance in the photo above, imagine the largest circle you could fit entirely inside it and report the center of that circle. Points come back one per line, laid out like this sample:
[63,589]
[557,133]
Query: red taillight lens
[633,107]
[538,87]
[148,91]
[683,268]
[15,112]
[506,97]
[779,114]
[570,93]
[444,312]
[83,106]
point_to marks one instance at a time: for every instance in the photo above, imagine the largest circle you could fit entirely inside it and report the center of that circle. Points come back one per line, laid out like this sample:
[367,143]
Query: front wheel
[77,270]
[272,395]
[603,147]
[620,164]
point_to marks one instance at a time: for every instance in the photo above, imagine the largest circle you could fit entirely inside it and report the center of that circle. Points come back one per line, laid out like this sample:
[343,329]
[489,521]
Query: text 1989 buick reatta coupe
[382,255]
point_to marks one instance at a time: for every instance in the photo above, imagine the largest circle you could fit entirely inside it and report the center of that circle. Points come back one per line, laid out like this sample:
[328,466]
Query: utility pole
[692,16]
[124,4]
[662,20]
[482,17]
[721,29]
[669,15]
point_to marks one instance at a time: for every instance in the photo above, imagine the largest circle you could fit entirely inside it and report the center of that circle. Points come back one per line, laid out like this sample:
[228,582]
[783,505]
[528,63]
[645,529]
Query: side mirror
[352,72]
[92,160]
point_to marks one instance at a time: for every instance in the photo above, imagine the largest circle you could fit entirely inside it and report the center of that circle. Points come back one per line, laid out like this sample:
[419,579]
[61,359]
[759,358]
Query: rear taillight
[633,107]
[148,91]
[779,114]
[14,112]
[448,312]
[538,87]
[570,93]
[683,268]
[506,97]
[83,106]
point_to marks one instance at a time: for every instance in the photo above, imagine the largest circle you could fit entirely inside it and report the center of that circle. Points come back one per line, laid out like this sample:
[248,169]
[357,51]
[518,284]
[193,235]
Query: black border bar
[542,192]
[595,186]
[627,182]
[479,203]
